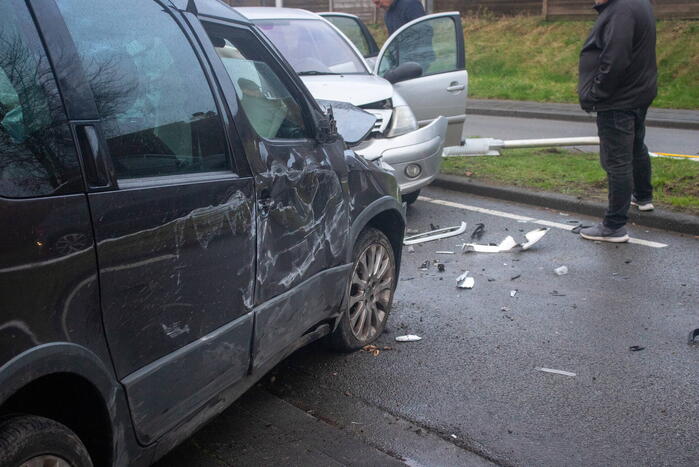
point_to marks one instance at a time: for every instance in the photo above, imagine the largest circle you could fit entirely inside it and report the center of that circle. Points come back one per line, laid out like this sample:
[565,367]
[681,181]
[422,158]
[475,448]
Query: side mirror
[403,72]
[326,126]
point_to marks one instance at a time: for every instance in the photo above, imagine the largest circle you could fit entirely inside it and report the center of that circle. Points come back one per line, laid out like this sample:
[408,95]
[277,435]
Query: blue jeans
[624,156]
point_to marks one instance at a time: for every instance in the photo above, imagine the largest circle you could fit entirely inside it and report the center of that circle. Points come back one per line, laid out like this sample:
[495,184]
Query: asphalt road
[665,140]
[470,393]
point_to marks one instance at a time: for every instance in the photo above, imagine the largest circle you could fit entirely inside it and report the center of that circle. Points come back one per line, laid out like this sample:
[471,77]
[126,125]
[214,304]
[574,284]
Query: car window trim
[177,179]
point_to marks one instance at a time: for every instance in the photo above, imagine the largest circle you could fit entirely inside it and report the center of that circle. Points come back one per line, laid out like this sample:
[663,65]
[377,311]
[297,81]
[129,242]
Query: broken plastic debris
[408,338]
[412,231]
[411,249]
[453,436]
[513,293]
[515,277]
[465,282]
[435,234]
[508,243]
[636,348]
[533,237]
[424,266]
[478,231]
[444,252]
[441,267]
[372,349]
[561,271]
[557,372]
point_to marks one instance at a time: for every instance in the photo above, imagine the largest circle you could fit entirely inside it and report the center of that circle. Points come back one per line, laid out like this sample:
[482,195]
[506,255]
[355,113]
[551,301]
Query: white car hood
[355,89]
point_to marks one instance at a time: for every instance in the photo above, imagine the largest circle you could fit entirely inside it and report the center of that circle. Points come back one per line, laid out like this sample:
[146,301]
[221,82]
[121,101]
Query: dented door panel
[303,216]
[176,263]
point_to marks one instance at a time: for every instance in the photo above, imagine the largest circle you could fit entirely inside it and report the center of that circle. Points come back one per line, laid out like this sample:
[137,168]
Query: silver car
[416,87]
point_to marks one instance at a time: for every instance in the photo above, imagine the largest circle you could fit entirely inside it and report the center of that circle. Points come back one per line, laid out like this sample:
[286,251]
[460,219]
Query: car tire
[410,198]
[369,295]
[31,441]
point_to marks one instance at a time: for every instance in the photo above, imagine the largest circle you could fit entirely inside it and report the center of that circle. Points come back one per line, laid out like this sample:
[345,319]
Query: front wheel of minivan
[31,441]
[369,292]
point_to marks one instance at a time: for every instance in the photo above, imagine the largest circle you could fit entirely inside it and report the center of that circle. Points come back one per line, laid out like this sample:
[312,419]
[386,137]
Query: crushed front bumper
[422,147]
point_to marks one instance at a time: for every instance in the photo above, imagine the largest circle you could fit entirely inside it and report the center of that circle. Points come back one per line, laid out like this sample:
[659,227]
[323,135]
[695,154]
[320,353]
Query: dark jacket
[618,69]
[402,12]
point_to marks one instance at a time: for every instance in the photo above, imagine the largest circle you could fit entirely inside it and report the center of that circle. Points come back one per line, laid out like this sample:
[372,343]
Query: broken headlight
[403,121]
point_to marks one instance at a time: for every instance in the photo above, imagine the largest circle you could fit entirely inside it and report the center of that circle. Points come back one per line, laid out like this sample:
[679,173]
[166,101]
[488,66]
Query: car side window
[37,154]
[157,110]
[430,43]
[267,102]
[353,31]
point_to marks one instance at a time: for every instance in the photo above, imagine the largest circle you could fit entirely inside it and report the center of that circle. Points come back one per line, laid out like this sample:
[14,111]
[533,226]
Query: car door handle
[454,86]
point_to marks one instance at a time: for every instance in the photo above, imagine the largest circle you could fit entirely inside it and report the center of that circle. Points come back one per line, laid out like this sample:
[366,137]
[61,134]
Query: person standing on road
[618,80]
[399,12]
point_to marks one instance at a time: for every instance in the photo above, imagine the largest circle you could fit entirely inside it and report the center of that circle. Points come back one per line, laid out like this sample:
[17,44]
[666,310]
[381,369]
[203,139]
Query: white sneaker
[642,206]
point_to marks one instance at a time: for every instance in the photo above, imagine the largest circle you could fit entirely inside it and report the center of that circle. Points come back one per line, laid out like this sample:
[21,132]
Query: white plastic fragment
[513,293]
[408,338]
[561,271]
[507,244]
[444,252]
[533,237]
[557,372]
[411,249]
[465,282]
[435,234]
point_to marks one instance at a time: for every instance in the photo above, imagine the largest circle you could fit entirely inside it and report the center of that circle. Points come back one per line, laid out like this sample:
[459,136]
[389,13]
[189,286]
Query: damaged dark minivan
[178,215]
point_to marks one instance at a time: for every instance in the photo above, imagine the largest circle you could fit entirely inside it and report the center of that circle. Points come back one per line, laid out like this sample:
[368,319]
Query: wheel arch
[69,384]
[387,215]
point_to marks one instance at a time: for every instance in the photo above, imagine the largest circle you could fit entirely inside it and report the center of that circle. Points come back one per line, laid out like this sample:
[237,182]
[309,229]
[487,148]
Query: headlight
[403,121]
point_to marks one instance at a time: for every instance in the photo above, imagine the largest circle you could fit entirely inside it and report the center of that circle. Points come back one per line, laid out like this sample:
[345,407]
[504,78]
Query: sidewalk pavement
[666,118]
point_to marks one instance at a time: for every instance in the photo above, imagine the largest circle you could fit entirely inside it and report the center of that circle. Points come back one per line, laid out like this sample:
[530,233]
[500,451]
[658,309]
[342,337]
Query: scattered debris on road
[412,231]
[555,293]
[533,237]
[441,267]
[693,337]
[435,234]
[513,293]
[465,282]
[636,348]
[424,266]
[556,372]
[411,249]
[375,350]
[444,252]
[478,232]
[515,277]
[508,243]
[408,338]
[561,270]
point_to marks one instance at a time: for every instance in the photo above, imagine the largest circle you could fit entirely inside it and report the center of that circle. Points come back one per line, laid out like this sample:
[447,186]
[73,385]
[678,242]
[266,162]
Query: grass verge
[675,182]
[527,58]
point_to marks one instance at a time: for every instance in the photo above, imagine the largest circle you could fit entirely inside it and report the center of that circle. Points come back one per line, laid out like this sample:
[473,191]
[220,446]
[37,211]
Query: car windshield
[312,47]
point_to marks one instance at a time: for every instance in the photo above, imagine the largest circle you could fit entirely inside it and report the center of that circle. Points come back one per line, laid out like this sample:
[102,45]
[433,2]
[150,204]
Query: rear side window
[157,110]
[37,154]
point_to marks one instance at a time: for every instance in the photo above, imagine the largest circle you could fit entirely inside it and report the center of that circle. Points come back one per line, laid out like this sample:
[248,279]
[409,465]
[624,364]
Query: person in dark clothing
[618,80]
[399,12]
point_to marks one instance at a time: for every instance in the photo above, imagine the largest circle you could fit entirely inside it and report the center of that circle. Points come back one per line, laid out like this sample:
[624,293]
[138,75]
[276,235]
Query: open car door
[355,30]
[436,43]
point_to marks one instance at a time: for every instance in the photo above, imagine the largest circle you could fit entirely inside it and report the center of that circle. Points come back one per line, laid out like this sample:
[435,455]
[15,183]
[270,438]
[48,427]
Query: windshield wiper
[316,73]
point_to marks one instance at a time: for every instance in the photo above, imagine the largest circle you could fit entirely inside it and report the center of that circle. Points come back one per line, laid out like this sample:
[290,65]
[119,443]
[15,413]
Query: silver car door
[436,43]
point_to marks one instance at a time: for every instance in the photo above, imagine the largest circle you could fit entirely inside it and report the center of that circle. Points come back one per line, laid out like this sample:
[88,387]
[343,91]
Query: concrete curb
[665,220]
[573,117]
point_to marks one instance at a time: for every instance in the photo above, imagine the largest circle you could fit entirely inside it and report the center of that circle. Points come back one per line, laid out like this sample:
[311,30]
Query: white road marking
[507,215]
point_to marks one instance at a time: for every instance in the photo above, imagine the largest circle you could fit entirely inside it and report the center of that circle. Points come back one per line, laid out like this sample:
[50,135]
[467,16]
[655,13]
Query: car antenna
[192,7]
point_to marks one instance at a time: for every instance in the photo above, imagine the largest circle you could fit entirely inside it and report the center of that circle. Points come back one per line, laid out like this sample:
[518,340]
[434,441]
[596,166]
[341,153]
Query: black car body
[161,247]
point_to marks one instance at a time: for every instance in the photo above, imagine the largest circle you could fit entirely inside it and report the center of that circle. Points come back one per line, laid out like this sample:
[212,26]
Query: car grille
[383,118]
